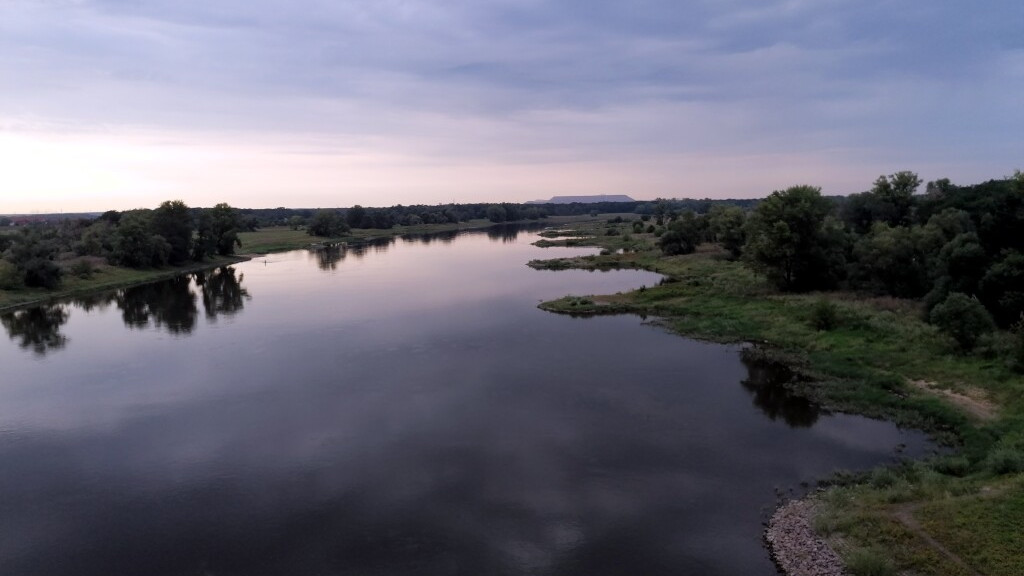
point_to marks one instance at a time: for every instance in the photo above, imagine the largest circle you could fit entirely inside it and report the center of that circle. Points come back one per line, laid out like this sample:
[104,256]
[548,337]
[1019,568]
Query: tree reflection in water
[222,292]
[327,257]
[37,328]
[169,304]
[768,381]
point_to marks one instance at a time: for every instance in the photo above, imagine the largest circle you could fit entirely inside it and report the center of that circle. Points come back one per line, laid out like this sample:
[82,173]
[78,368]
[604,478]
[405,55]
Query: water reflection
[767,381]
[37,328]
[169,304]
[328,256]
[222,292]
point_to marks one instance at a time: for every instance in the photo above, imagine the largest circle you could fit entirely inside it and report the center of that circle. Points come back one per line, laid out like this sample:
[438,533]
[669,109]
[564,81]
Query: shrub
[10,277]
[82,268]
[963,318]
[40,273]
[958,466]
[824,315]
[1005,461]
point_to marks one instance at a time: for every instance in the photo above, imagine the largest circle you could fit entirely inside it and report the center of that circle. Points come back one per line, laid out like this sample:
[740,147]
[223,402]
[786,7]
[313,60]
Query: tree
[173,220]
[135,245]
[327,223]
[355,216]
[496,214]
[890,260]
[897,191]
[33,252]
[963,318]
[683,235]
[792,240]
[218,232]
[726,225]
[1002,288]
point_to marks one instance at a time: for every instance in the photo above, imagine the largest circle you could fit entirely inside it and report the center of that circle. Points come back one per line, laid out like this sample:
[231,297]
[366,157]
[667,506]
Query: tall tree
[173,220]
[792,240]
[218,232]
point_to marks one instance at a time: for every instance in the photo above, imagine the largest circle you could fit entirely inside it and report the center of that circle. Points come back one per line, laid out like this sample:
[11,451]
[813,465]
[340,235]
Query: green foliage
[355,215]
[963,318]
[327,223]
[791,240]
[496,214]
[890,260]
[1005,460]
[683,236]
[218,232]
[962,261]
[726,224]
[11,278]
[135,244]
[83,269]
[42,273]
[172,220]
[96,240]
[824,315]
[1002,288]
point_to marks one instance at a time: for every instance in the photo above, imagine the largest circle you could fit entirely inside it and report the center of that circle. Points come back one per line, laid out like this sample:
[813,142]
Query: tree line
[958,249]
[172,234]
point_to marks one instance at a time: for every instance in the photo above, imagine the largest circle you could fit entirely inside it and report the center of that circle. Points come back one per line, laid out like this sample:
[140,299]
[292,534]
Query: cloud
[507,82]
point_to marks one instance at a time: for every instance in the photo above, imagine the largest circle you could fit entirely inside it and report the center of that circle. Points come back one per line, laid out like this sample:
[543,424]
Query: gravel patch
[795,547]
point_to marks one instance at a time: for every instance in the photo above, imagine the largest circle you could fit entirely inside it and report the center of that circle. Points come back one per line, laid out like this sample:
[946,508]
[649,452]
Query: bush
[824,315]
[82,269]
[958,466]
[10,277]
[40,273]
[1005,461]
[963,318]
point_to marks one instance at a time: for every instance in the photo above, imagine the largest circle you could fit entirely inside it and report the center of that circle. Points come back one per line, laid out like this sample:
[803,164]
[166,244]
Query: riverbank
[263,241]
[106,277]
[853,353]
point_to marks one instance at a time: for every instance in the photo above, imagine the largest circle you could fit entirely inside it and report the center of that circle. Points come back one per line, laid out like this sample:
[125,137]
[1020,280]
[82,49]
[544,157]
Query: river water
[399,409]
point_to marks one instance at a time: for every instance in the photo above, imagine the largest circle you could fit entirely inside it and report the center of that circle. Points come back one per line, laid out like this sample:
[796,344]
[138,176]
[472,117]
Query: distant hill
[584,199]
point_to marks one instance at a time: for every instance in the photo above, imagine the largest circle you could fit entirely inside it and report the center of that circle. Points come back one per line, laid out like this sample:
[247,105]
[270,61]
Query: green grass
[861,358]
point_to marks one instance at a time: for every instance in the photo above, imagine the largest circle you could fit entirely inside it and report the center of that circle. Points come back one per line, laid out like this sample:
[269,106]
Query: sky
[119,104]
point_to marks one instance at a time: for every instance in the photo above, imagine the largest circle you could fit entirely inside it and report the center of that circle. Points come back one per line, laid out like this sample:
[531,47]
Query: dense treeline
[957,248]
[172,233]
[340,220]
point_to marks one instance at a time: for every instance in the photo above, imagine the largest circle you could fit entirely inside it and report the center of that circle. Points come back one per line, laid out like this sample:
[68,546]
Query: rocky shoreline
[794,546]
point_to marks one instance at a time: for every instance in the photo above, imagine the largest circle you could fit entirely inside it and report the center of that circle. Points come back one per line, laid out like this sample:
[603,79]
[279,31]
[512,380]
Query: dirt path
[905,514]
[974,402]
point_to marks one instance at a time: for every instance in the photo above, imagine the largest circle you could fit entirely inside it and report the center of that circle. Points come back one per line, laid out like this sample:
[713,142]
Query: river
[402,408]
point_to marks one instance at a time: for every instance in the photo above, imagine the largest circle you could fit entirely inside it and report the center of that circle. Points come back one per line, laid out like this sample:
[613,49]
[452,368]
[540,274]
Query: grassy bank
[106,277]
[856,353]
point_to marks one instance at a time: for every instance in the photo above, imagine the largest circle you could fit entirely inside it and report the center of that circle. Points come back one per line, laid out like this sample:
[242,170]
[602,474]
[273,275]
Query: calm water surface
[403,409]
